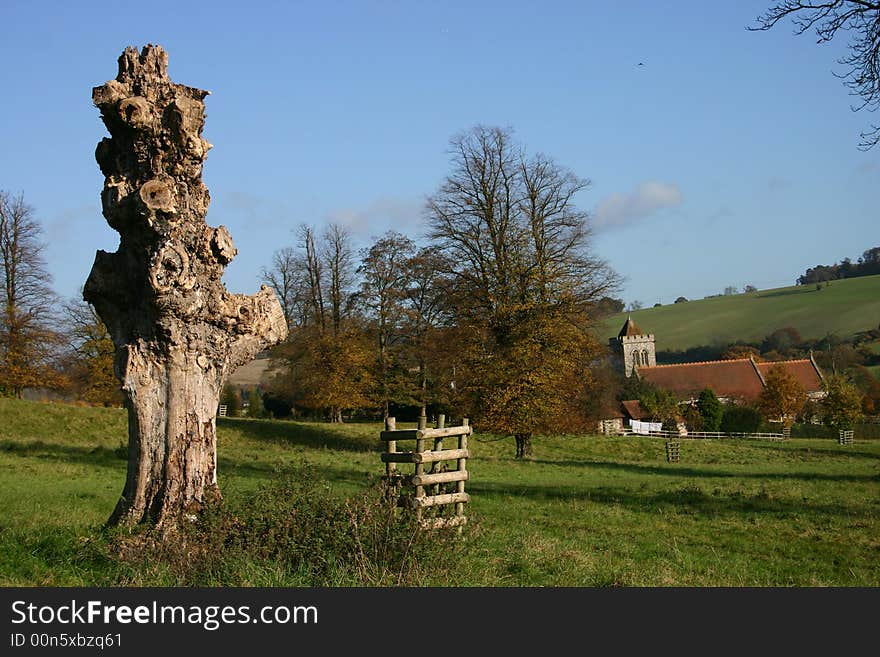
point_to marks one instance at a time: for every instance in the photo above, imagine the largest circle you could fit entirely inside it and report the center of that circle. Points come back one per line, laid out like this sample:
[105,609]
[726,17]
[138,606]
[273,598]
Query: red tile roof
[802,370]
[633,408]
[737,378]
[727,378]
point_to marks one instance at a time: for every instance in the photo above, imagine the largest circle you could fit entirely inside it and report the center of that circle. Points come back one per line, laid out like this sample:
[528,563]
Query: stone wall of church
[637,350]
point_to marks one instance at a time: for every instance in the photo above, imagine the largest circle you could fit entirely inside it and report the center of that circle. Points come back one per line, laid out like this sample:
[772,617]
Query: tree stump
[178,332]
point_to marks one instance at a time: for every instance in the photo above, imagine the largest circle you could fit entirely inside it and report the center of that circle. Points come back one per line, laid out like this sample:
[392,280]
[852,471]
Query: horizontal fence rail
[421,489]
[697,435]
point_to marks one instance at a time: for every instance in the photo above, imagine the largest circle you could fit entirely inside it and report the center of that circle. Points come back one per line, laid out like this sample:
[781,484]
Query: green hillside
[843,308]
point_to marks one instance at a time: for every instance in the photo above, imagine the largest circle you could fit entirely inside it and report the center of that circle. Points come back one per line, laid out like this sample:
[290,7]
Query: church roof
[727,378]
[740,378]
[630,328]
[803,370]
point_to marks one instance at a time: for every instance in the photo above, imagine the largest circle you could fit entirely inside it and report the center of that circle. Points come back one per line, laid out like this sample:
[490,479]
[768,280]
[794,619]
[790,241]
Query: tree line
[45,341]
[488,314]
[868,264]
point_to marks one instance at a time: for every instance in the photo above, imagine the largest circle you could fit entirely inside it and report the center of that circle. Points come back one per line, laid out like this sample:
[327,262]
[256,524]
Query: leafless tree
[287,277]
[426,307]
[384,275]
[472,216]
[312,266]
[510,228]
[27,340]
[339,262]
[861,18]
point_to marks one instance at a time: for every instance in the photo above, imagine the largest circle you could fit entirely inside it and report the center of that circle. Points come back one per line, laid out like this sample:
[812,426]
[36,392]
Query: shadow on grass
[232,467]
[824,451]
[679,471]
[785,293]
[94,455]
[689,499]
[294,433]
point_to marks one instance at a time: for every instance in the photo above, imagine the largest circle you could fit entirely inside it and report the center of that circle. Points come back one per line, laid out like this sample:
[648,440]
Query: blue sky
[729,158]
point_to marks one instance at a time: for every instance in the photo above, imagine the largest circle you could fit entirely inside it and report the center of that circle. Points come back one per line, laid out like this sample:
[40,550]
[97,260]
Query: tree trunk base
[523,445]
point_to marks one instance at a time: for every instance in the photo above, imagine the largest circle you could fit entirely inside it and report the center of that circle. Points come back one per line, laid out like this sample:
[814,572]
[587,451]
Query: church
[740,379]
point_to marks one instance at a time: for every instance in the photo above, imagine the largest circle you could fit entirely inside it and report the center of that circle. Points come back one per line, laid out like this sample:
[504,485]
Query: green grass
[843,308]
[584,511]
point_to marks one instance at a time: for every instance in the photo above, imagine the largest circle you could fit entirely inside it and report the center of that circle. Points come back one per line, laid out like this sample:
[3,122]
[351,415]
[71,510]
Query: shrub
[669,424]
[294,532]
[231,398]
[710,410]
[740,419]
[255,404]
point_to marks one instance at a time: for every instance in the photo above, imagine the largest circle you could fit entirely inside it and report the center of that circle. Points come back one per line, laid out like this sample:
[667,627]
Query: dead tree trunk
[178,332]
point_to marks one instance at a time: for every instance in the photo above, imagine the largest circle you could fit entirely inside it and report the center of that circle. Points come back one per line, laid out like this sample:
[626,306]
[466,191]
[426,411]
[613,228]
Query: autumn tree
[384,281]
[737,351]
[28,341]
[859,18]
[535,382]
[842,404]
[90,369]
[517,249]
[658,404]
[783,395]
[326,361]
[326,373]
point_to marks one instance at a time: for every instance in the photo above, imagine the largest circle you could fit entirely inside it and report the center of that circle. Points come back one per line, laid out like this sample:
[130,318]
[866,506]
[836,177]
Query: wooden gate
[421,490]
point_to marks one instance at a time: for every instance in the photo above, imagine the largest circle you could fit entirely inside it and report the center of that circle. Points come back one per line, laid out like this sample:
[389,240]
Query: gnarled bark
[178,332]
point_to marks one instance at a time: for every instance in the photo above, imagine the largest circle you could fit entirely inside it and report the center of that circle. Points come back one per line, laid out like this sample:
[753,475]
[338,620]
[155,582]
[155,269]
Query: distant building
[633,348]
[740,379]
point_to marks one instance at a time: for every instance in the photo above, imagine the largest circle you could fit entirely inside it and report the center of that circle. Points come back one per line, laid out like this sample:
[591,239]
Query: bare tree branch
[861,18]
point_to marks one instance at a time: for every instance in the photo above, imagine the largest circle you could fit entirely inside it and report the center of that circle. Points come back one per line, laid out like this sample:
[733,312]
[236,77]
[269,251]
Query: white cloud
[647,198]
[384,214]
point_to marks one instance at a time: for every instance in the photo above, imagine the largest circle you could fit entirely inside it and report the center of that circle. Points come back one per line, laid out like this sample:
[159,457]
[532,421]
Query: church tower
[633,347]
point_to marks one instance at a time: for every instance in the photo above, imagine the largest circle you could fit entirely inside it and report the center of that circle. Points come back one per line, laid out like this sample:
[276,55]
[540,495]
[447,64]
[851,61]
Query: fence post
[461,466]
[438,445]
[390,467]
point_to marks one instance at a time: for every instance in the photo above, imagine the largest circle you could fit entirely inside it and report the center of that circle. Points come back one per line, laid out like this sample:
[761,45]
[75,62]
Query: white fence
[697,435]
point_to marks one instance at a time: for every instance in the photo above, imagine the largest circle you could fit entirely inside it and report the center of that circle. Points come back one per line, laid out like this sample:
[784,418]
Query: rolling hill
[843,308]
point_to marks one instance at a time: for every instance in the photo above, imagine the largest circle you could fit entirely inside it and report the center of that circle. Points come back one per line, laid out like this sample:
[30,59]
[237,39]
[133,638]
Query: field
[584,511]
[843,308]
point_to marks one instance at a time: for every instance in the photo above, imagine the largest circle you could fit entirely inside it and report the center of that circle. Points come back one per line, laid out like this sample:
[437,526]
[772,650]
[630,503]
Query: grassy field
[584,511]
[843,308]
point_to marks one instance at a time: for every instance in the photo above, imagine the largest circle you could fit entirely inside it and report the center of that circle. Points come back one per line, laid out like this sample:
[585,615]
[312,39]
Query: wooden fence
[421,490]
[706,434]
